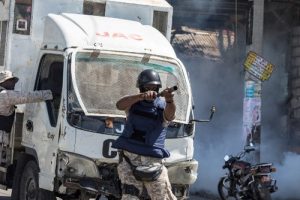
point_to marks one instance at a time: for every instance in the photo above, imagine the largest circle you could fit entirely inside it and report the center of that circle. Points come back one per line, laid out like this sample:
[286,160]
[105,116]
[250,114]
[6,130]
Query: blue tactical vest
[144,133]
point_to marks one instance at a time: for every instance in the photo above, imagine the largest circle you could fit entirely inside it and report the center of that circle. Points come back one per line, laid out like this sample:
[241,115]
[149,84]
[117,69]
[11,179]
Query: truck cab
[62,147]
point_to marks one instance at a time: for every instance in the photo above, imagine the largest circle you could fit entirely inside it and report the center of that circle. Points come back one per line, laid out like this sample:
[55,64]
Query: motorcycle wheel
[224,189]
[260,192]
[264,193]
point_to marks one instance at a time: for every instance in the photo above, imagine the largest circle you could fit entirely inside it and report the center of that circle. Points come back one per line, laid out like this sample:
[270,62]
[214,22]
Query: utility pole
[252,88]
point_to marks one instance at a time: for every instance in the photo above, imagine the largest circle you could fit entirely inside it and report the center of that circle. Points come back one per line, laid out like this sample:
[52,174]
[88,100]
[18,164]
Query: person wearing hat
[142,143]
[9,98]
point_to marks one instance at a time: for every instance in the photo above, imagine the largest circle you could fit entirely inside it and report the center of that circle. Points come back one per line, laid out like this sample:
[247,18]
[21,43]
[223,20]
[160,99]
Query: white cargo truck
[89,53]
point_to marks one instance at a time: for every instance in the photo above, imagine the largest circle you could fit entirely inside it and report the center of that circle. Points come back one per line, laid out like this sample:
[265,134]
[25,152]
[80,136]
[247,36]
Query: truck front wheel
[29,185]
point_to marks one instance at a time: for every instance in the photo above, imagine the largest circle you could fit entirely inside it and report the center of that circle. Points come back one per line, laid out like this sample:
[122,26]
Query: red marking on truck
[103,34]
[120,35]
[136,37]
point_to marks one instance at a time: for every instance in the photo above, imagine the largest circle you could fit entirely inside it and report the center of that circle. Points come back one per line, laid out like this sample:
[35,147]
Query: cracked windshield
[101,80]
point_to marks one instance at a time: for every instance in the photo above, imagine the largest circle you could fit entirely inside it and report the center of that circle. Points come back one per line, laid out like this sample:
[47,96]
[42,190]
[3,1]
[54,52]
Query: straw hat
[6,75]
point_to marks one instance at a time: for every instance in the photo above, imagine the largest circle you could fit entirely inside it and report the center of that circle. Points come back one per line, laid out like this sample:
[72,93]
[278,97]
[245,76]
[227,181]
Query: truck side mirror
[189,128]
[212,112]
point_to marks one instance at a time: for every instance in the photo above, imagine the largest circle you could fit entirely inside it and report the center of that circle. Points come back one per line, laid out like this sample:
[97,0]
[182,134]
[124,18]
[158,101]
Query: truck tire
[23,159]
[29,184]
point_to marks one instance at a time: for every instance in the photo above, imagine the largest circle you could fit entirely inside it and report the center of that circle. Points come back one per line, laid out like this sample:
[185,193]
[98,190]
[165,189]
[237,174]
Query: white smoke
[222,84]
[216,83]
[288,177]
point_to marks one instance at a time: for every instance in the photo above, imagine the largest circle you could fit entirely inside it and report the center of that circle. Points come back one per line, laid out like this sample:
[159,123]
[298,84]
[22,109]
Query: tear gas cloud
[221,84]
[215,83]
[275,113]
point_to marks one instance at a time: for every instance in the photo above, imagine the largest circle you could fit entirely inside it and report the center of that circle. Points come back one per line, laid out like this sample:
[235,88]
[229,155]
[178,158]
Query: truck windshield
[98,81]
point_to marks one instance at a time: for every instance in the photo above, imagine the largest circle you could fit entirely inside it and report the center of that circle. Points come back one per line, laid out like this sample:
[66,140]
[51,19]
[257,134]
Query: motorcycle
[246,181]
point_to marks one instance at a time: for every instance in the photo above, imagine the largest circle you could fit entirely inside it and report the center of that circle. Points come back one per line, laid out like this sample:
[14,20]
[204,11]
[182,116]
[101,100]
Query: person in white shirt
[9,98]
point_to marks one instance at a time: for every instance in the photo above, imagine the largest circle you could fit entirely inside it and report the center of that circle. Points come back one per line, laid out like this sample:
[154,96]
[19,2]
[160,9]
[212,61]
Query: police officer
[142,141]
[9,98]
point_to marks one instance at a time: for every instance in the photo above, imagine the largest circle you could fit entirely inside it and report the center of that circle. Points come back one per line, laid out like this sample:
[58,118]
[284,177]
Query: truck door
[43,125]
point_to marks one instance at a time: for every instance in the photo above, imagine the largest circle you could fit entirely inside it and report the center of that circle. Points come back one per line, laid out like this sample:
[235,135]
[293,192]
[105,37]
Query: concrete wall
[294,89]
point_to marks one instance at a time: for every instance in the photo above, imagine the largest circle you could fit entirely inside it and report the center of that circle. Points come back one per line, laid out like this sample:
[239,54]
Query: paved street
[5,195]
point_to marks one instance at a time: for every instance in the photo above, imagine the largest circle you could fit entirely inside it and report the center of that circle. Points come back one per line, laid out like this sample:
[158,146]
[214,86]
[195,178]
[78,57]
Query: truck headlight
[74,165]
[183,172]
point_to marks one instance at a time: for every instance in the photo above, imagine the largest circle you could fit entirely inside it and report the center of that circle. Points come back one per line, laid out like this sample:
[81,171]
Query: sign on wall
[258,66]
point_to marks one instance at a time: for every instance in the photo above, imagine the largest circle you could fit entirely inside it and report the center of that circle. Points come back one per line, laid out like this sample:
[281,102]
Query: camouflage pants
[157,190]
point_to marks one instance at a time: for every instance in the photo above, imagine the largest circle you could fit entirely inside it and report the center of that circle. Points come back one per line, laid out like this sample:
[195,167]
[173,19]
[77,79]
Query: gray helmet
[146,77]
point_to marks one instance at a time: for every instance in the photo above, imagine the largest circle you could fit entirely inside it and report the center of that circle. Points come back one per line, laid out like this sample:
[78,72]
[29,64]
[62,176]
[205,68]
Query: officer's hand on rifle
[149,95]
[168,94]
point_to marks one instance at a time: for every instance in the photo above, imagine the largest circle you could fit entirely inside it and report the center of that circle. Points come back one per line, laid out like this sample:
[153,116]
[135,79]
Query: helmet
[146,77]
